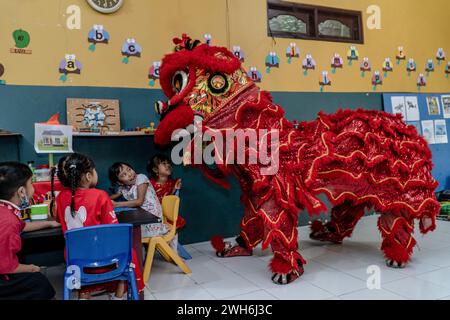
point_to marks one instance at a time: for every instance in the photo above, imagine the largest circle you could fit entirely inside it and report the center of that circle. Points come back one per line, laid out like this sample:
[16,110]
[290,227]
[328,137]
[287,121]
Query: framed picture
[446,106]
[93,115]
[433,106]
[52,138]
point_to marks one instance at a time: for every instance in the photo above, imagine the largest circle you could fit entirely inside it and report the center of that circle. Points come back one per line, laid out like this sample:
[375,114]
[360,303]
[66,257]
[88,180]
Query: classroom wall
[420,26]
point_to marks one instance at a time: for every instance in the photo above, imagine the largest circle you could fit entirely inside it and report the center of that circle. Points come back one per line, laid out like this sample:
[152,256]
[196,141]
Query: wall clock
[105,6]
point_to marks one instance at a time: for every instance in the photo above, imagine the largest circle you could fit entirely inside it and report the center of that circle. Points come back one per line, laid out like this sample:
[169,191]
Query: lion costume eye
[179,81]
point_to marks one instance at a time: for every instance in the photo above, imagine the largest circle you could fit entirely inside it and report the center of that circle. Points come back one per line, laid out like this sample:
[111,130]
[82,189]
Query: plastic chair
[106,248]
[170,208]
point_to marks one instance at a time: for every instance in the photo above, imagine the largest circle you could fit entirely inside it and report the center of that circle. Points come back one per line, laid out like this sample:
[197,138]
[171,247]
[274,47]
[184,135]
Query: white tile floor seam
[332,272]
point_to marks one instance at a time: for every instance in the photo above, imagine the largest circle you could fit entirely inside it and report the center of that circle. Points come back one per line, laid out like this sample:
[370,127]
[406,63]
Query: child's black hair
[13,175]
[114,171]
[71,169]
[154,162]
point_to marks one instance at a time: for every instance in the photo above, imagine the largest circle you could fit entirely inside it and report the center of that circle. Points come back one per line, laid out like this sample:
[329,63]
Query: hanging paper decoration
[336,62]
[400,55]
[352,54]
[69,65]
[387,66]
[440,55]
[153,73]
[411,66]
[324,80]
[272,61]
[21,41]
[2,71]
[130,48]
[97,35]
[447,69]
[429,67]
[239,53]
[208,39]
[308,63]
[377,80]
[421,81]
[365,66]
[254,74]
[292,52]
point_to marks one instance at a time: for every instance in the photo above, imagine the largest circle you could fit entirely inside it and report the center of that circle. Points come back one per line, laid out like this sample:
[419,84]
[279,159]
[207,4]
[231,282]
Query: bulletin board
[430,114]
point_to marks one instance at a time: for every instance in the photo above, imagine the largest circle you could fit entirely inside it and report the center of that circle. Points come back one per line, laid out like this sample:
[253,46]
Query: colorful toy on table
[36,212]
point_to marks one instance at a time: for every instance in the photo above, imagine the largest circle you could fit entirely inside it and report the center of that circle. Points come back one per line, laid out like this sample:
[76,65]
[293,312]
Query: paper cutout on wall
[447,69]
[440,55]
[365,66]
[272,61]
[352,54]
[254,74]
[336,62]
[97,35]
[429,67]
[377,80]
[411,66]
[308,64]
[21,41]
[387,66]
[69,65]
[292,51]
[421,81]
[130,48]
[238,53]
[153,73]
[400,55]
[2,71]
[208,39]
[324,80]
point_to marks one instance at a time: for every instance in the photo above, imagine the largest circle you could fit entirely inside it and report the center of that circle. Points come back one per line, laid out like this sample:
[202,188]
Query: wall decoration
[239,53]
[208,39]
[93,116]
[153,73]
[51,138]
[106,7]
[421,81]
[308,64]
[434,109]
[440,55]
[429,67]
[324,80]
[365,66]
[412,108]
[447,69]
[292,51]
[352,54]
[97,35]
[254,74]
[336,62]
[400,55]
[417,125]
[69,65]
[2,71]
[428,131]
[130,48]
[387,66]
[377,80]
[399,106]
[446,106]
[272,61]
[440,131]
[411,66]
[21,40]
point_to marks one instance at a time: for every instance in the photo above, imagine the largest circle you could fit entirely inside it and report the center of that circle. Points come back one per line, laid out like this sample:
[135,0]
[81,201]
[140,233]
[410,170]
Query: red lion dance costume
[359,159]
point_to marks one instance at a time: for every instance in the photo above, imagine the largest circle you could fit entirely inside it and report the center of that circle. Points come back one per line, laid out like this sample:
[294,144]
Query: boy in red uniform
[18,281]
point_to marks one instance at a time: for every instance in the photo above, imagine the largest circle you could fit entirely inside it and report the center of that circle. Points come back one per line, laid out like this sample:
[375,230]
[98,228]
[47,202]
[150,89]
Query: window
[301,21]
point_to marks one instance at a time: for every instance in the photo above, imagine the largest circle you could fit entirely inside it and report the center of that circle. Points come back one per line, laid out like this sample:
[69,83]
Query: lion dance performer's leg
[398,242]
[344,218]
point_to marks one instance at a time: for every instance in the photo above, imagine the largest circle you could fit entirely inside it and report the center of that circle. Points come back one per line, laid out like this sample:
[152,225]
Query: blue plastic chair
[104,246]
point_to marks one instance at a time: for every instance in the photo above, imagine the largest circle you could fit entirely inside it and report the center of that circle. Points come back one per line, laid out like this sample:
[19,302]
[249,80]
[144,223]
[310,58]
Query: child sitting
[80,204]
[138,192]
[18,281]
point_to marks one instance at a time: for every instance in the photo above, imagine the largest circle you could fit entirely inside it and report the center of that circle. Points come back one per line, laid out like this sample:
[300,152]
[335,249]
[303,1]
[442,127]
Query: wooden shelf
[9,134]
[113,135]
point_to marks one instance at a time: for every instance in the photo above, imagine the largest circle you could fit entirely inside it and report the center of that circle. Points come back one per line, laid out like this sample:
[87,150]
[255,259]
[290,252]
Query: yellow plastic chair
[170,208]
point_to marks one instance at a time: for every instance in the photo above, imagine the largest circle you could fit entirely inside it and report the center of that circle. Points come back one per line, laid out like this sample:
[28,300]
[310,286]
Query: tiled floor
[332,272]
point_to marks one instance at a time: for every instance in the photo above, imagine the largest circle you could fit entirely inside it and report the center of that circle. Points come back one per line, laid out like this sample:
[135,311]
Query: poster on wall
[440,131]
[412,108]
[428,131]
[398,106]
[52,138]
[433,106]
[446,106]
[417,125]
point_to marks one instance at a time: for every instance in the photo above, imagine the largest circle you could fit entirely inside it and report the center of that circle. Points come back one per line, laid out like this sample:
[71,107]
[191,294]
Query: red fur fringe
[218,243]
